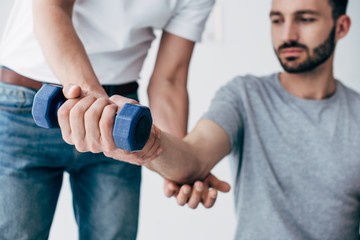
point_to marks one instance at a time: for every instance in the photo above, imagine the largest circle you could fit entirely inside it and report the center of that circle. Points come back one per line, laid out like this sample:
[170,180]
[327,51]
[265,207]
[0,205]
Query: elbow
[173,82]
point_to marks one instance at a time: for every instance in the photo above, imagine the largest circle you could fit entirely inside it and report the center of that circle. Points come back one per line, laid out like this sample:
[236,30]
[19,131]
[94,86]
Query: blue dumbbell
[131,128]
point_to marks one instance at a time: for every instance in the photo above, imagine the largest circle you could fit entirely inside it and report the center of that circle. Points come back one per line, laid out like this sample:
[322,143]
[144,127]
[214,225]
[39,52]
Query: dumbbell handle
[132,124]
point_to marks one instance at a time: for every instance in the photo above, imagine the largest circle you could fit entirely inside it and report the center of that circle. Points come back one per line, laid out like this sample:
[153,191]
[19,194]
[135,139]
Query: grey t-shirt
[295,162]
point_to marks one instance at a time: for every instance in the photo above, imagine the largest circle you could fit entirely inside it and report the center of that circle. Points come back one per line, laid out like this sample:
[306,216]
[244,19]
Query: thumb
[71,91]
[214,182]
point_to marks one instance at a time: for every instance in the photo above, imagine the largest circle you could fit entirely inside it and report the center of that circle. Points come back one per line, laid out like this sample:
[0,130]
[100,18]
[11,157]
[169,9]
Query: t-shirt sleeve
[227,110]
[189,20]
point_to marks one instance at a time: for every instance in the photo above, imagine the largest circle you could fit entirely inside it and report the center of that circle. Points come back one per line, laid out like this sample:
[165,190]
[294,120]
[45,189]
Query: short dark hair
[338,7]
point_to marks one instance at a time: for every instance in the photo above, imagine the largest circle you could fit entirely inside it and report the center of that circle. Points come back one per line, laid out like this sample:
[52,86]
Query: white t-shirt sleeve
[189,20]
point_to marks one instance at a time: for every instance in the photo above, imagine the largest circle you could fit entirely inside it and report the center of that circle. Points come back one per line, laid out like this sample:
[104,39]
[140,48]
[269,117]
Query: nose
[289,32]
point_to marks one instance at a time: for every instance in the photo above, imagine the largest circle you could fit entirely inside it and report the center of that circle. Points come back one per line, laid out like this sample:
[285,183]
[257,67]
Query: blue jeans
[32,164]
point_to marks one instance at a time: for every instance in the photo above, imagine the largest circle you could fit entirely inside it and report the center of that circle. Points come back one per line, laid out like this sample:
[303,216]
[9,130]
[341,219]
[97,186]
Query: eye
[276,20]
[307,20]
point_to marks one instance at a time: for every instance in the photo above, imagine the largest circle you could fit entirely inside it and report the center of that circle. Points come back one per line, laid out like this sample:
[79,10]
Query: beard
[320,54]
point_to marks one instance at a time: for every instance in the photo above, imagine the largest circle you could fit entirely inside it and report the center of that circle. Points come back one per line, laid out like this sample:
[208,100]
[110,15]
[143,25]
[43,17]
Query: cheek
[309,38]
[275,39]
[313,37]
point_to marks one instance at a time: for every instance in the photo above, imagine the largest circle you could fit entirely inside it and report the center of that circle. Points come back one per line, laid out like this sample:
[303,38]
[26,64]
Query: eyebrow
[275,13]
[307,12]
[278,13]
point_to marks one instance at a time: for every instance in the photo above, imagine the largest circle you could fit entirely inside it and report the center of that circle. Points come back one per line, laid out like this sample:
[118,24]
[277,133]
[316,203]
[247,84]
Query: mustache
[292,44]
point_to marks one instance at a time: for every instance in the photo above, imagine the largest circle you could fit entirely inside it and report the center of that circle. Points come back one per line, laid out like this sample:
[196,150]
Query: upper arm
[209,142]
[173,59]
[42,6]
[182,30]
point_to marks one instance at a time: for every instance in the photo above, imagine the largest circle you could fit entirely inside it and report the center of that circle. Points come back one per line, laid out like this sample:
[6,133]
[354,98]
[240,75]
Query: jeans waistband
[10,77]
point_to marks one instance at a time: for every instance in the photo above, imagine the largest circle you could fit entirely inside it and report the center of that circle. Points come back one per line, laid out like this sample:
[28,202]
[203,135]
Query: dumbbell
[132,124]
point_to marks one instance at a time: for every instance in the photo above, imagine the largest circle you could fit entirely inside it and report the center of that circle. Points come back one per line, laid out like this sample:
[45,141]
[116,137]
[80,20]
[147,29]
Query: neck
[316,85]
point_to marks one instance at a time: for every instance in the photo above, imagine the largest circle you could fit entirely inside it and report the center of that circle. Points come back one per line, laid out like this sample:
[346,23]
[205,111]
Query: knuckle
[102,101]
[108,147]
[106,124]
[63,112]
[80,147]
[90,98]
[75,113]
[93,147]
[67,140]
[90,114]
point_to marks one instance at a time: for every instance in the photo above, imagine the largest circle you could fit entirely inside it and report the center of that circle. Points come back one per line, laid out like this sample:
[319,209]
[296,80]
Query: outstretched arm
[184,160]
[180,160]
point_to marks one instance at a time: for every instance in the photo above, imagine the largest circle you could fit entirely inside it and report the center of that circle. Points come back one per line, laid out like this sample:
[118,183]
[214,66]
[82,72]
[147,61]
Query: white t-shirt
[117,35]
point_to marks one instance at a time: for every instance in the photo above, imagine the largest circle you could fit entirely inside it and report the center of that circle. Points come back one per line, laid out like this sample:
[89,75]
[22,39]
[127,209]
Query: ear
[343,24]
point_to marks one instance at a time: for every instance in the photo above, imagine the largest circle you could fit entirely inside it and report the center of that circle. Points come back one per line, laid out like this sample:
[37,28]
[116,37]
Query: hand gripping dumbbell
[131,128]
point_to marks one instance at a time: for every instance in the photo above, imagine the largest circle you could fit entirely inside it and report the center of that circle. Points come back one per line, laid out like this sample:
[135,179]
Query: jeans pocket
[15,98]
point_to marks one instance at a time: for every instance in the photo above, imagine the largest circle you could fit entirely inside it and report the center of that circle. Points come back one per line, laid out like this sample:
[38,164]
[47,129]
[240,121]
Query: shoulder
[250,82]
[350,99]
[350,96]
[349,93]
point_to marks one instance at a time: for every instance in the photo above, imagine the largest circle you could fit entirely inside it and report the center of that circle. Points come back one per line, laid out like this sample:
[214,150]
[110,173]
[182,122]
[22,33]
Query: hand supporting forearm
[61,45]
[178,161]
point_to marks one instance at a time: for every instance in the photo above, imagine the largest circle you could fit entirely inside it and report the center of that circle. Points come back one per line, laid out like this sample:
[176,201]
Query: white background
[237,42]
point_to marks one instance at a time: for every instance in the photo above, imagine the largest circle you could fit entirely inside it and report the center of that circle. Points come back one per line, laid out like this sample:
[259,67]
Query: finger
[77,124]
[214,182]
[183,195]
[210,199]
[71,91]
[106,127]
[171,189]
[92,124]
[120,100]
[196,193]
[64,119]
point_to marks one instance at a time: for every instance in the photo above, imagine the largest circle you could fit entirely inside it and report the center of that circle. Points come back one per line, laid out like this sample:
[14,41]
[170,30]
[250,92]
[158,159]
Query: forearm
[167,91]
[170,107]
[61,46]
[179,161]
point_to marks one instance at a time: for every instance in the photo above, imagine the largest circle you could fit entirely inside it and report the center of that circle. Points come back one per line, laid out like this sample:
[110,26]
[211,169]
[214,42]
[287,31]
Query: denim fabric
[32,163]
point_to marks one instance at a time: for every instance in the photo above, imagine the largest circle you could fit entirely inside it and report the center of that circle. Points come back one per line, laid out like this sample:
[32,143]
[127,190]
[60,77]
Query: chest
[317,150]
[117,14]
